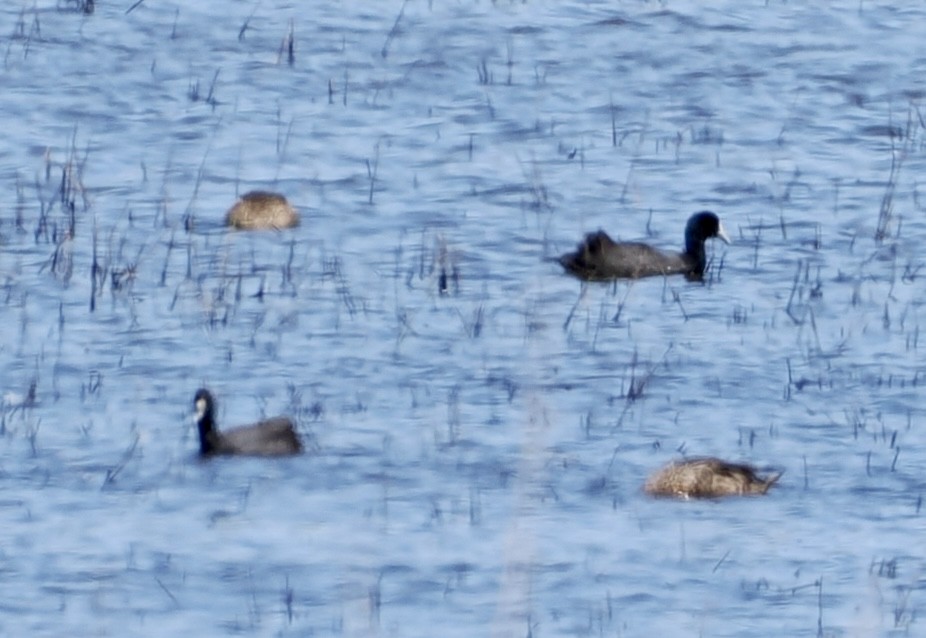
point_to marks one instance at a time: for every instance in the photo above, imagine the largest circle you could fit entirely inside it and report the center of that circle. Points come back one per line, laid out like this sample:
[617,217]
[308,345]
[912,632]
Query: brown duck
[600,258]
[261,210]
[271,437]
[708,478]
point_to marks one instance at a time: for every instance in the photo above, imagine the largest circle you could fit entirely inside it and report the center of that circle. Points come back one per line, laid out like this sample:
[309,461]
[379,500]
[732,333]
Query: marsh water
[478,424]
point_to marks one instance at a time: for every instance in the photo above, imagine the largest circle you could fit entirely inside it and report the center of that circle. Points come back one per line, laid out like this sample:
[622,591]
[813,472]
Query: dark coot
[272,437]
[600,258]
[708,478]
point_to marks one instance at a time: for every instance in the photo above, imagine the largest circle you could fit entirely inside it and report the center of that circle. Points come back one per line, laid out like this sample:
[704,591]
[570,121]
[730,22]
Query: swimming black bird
[600,258]
[271,437]
[708,477]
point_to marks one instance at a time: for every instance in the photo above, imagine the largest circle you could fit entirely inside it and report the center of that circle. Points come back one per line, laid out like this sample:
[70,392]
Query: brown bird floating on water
[261,210]
[271,437]
[708,478]
[600,258]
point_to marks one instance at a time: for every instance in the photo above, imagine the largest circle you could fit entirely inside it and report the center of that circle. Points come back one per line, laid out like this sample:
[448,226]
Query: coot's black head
[204,405]
[702,226]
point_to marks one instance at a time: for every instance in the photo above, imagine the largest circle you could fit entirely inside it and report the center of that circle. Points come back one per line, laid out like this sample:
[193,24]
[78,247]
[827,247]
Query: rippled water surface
[478,424]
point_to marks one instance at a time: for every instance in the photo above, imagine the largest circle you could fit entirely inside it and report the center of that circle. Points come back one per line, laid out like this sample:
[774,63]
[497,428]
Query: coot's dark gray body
[600,258]
[708,478]
[271,437]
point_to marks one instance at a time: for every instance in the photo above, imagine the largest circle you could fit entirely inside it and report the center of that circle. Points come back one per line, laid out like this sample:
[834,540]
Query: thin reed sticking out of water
[69,192]
[886,210]
[445,262]
[87,7]
[288,45]
[637,385]
[193,90]
[371,171]
[384,52]
[282,140]
[572,311]
[113,472]
[96,273]
[247,22]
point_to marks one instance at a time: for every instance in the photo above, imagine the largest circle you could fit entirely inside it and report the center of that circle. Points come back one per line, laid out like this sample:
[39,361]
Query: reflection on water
[478,425]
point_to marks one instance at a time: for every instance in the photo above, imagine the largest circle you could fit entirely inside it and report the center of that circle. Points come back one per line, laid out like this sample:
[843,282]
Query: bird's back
[708,478]
[261,210]
[272,437]
[600,257]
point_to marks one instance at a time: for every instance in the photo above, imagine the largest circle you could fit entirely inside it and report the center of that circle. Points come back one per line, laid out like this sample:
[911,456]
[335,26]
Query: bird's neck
[207,434]
[694,248]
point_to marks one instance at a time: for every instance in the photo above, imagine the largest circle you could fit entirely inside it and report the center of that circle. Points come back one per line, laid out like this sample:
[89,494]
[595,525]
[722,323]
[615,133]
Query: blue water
[475,458]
